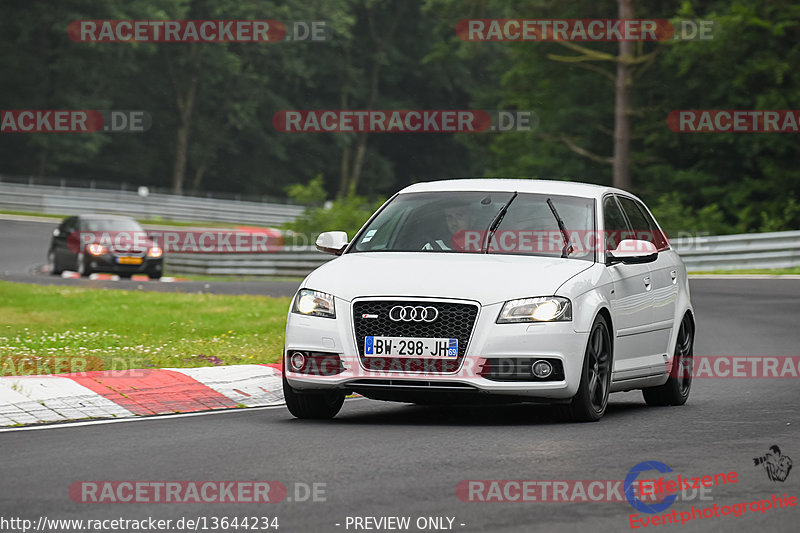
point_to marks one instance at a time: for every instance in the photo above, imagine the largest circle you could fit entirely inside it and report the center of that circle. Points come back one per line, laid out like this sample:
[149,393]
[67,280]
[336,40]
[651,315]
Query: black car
[104,243]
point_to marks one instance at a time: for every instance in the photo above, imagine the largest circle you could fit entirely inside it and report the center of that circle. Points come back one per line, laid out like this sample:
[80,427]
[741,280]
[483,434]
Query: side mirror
[56,232]
[332,242]
[632,252]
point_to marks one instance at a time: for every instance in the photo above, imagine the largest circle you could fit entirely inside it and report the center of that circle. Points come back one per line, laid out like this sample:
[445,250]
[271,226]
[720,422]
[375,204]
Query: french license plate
[421,347]
[129,260]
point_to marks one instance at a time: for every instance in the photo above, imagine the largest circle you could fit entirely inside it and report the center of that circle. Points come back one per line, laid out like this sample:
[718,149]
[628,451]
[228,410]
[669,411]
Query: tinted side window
[615,225]
[644,226]
[70,225]
[661,241]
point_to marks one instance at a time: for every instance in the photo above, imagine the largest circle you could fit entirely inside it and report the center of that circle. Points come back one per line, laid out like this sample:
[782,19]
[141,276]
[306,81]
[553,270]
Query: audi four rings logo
[410,313]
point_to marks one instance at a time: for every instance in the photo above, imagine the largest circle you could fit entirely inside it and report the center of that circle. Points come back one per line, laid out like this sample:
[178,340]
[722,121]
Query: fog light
[541,369]
[298,361]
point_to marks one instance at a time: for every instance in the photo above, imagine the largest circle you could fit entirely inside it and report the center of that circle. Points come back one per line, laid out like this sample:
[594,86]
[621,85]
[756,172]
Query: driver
[458,218]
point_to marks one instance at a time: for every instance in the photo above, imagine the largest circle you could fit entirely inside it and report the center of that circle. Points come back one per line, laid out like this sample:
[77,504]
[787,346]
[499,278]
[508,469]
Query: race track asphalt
[381,459]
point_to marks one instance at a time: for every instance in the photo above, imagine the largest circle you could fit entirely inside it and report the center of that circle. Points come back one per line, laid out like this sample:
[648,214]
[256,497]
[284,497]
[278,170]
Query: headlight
[96,249]
[155,252]
[314,303]
[544,309]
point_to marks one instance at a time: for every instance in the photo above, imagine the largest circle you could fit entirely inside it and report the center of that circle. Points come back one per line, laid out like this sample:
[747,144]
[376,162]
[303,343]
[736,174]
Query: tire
[154,275]
[322,405]
[52,262]
[83,268]
[679,384]
[591,400]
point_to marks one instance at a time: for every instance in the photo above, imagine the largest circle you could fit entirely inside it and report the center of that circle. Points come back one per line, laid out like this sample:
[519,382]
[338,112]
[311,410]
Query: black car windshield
[459,222]
[109,224]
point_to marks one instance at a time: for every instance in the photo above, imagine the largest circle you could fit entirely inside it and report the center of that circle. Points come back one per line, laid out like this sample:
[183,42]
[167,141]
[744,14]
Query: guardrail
[728,252]
[736,252]
[77,200]
[293,262]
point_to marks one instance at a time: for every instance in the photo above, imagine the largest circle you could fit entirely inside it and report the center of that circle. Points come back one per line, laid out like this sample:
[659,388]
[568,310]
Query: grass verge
[156,221]
[53,329]
[230,277]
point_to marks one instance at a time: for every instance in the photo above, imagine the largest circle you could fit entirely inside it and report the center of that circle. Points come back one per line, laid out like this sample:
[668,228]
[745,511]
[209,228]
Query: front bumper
[489,342]
[108,262]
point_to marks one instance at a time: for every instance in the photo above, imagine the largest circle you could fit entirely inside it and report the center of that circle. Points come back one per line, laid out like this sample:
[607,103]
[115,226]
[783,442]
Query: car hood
[485,278]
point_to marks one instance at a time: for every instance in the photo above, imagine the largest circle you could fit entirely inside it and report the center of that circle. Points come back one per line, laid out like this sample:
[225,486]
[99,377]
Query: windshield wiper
[496,222]
[567,246]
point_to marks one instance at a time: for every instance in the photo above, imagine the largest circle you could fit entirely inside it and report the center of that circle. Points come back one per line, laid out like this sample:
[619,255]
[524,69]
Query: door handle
[674,275]
[647,283]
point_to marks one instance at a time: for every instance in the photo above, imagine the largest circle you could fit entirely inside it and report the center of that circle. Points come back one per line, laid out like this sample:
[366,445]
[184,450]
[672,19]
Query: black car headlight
[542,309]
[314,303]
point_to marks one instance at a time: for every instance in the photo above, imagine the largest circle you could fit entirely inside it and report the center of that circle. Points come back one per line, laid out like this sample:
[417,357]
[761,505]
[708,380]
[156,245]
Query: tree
[379,40]
[625,61]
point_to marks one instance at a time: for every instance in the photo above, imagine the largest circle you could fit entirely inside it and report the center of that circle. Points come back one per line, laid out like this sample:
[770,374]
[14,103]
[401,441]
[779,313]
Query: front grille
[128,253]
[454,320]
[410,384]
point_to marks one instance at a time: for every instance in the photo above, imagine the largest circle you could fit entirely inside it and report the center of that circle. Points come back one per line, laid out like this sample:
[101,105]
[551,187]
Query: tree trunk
[361,143]
[41,166]
[622,103]
[199,172]
[344,165]
[181,152]
[185,102]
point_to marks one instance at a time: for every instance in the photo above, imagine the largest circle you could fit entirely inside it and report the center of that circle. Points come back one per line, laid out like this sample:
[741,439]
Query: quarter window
[644,226]
[615,225]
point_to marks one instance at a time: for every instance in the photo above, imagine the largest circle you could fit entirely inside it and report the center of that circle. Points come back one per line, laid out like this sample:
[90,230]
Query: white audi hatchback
[494,290]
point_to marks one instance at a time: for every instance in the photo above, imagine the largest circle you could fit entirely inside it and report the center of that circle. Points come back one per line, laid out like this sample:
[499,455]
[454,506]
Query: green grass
[158,221]
[29,213]
[770,271]
[224,277]
[54,329]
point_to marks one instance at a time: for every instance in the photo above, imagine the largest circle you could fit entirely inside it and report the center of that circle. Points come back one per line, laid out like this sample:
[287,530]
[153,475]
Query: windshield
[459,222]
[110,224]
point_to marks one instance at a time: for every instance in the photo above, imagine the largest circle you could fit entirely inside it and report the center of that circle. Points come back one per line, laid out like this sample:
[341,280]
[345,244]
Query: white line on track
[139,418]
[146,418]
